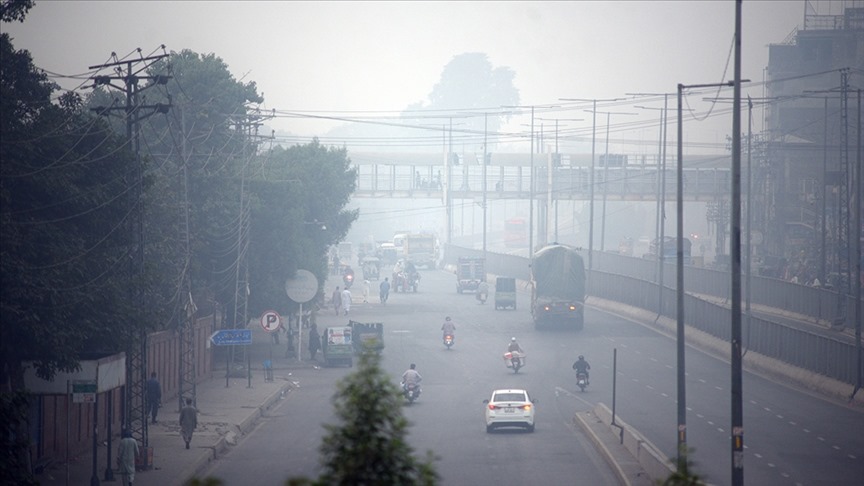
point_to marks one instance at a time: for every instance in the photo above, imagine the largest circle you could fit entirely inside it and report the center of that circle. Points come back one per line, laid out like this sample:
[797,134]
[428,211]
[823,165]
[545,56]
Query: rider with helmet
[449,328]
[514,346]
[581,366]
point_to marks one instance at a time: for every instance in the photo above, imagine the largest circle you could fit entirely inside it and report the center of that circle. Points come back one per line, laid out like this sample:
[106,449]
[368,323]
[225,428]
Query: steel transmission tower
[129,74]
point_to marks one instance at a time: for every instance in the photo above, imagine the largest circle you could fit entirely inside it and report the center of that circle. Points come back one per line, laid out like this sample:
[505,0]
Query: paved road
[791,437]
[448,418]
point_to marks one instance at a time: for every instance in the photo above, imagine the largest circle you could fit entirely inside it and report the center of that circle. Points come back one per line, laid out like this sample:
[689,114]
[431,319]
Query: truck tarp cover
[559,272]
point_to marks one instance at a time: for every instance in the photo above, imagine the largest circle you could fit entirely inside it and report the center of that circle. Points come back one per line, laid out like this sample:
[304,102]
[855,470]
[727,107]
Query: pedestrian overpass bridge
[556,176]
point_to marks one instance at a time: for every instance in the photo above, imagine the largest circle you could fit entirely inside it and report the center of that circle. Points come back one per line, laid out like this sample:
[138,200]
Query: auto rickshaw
[371,268]
[505,293]
[337,346]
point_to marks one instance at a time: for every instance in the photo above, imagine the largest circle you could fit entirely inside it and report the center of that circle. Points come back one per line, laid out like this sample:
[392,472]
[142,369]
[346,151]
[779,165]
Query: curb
[221,445]
[601,446]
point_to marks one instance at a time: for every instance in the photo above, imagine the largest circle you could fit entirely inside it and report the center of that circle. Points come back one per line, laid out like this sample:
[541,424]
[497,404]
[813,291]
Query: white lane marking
[567,392]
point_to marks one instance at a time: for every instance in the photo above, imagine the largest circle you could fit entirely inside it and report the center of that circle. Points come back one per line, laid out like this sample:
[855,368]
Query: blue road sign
[231,337]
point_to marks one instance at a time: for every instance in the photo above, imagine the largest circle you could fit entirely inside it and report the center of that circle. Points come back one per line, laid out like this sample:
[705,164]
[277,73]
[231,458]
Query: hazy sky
[341,56]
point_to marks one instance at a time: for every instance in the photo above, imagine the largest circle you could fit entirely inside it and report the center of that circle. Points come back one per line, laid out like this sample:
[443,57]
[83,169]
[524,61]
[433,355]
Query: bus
[515,233]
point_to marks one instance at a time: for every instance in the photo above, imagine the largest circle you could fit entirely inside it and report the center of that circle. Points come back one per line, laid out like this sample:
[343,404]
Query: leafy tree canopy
[297,193]
[469,86]
[63,203]
[370,445]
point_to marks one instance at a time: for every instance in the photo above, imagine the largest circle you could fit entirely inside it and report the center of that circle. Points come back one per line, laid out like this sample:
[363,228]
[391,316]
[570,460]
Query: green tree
[298,212]
[469,82]
[64,202]
[63,205]
[199,151]
[370,445]
[469,87]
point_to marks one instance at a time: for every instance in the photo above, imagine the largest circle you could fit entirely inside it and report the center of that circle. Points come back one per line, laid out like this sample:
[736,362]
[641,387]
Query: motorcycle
[448,340]
[348,279]
[482,296]
[411,391]
[582,380]
[515,360]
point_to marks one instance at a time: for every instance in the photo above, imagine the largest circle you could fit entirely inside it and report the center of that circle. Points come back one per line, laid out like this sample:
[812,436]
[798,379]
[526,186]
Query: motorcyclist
[514,346]
[581,366]
[411,377]
[482,291]
[449,328]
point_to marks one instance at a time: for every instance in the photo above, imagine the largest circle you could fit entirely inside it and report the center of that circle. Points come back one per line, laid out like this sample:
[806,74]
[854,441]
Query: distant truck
[470,271]
[421,248]
[558,287]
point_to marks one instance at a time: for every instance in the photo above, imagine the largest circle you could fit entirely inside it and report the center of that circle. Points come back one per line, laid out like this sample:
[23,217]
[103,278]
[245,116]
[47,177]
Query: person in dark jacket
[153,399]
[314,341]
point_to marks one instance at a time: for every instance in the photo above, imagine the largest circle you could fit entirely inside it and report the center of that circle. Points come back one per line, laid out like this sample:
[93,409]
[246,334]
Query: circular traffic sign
[271,320]
[303,287]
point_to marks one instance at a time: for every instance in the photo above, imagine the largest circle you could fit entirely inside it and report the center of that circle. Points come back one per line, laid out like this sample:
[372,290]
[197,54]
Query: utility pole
[553,162]
[679,250]
[135,420]
[660,217]
[737,425]
[605,176]
[593,110]
[485,151]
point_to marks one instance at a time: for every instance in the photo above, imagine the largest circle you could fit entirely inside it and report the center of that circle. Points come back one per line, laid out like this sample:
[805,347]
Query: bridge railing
[825,355]
[634,182]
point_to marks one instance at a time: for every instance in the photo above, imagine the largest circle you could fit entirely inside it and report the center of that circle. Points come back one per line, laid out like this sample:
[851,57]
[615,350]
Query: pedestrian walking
[365,291]
[336,300]
[127,451]
[188,421]
[154,396]
[346,300]
[384,290]
[314,341]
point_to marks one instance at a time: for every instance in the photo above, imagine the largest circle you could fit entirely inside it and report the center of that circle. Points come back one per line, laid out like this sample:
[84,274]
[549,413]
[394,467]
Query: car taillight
[492,407]
[525,407]
[546,307]
[572,307]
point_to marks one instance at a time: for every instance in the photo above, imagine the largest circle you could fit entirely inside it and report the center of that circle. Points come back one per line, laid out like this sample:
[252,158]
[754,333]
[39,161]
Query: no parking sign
[271,321]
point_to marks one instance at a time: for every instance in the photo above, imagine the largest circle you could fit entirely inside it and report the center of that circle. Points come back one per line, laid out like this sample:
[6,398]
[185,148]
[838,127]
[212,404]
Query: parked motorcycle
[448,340]
[515,360]
[582,380]
[411,391]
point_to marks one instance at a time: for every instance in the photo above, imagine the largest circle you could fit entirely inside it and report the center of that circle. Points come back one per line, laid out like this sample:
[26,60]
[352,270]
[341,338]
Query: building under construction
[806,163]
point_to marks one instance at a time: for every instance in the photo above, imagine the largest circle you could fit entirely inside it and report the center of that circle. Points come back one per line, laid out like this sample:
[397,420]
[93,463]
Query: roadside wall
[51,416]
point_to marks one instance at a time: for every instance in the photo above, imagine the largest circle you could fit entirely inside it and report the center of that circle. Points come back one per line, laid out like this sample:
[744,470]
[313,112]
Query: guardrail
[807,350]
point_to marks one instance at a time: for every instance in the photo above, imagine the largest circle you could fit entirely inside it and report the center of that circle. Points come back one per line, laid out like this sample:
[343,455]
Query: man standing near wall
[154,396]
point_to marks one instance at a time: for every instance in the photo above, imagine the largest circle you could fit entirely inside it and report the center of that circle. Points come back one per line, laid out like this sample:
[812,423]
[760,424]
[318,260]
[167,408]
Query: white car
[510,408]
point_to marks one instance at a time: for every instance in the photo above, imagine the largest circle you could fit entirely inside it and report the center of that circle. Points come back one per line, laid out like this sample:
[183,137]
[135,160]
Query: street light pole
[605,176]
[661,198]
[485,151]
[679,290]
[550,199]
[591,176]
[531,194]
[737,452]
